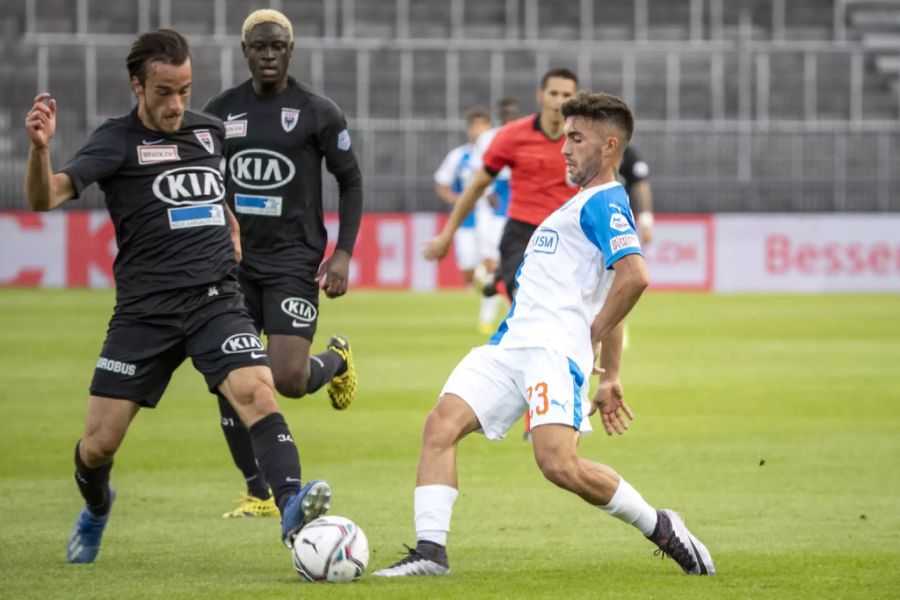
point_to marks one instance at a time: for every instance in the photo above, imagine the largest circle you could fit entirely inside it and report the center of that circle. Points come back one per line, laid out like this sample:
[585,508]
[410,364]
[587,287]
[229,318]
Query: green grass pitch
[772,423]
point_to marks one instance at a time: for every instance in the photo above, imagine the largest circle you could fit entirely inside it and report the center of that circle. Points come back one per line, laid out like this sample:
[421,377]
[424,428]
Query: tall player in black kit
[277,133]
[176,289]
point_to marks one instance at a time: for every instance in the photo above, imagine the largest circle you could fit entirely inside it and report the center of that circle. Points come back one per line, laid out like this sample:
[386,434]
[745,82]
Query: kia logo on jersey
[259,169]
[189,185]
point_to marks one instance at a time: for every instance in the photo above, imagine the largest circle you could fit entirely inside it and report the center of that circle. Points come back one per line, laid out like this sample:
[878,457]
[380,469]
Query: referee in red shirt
[532,148]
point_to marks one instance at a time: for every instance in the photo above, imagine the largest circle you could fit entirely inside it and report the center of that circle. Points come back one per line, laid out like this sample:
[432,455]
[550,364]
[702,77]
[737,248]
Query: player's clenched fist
[436,249]
[41,120]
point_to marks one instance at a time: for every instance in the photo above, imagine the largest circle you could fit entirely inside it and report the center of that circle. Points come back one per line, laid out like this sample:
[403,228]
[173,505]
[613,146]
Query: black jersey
[274,149]
[633,170]
[164,193]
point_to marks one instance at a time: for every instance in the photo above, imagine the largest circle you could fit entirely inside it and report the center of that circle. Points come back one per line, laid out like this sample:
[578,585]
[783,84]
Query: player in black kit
[635,172]
[278,132]
[176,289]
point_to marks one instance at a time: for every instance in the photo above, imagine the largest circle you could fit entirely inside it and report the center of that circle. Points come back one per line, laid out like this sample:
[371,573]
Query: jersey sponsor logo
[116,366]
[620,242]
[265,206]
[343,140]
[151,155]
[259,169]
[545,241]
[232,117]
[289,118]
[243,342]
[618,222]
[186,217]
[235,129]
[189,185]
[205,138]
[302,310]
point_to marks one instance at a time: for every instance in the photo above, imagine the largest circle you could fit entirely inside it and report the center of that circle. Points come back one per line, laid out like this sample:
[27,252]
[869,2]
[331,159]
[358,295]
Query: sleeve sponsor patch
[618,222]
[620,242]
[343,140]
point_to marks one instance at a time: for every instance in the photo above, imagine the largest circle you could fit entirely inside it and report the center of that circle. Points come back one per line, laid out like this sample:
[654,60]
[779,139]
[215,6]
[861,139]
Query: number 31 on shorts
[540,389]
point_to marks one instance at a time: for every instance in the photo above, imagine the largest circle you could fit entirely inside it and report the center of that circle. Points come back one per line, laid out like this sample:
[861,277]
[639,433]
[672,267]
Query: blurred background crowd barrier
[743,106]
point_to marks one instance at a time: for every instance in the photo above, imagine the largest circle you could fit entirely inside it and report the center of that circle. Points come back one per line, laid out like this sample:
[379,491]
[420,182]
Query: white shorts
[465,246]
[500,384]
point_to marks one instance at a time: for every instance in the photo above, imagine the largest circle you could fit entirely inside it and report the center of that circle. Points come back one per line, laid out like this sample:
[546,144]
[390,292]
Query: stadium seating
[755,90]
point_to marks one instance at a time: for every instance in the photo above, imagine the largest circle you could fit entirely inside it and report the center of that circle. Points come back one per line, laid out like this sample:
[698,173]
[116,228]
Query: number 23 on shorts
[539,389]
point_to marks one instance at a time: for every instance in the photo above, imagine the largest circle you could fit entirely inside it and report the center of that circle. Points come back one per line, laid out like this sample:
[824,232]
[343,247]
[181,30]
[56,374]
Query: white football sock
[629,506]
[488,312]
[433,505]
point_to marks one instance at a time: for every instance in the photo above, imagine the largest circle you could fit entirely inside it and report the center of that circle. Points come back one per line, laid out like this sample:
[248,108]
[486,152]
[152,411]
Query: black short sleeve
[633,169]
[214,107]
[100,157]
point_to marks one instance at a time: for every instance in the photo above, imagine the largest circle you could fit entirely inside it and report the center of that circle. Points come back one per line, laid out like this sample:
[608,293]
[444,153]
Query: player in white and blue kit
[582,273]
[450,180]
[493,223]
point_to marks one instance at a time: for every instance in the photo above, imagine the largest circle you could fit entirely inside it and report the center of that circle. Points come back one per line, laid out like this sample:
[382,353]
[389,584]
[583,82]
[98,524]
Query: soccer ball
[332,549]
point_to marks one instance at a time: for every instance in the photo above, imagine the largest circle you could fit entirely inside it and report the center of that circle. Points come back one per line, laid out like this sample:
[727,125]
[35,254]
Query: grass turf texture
[719,384]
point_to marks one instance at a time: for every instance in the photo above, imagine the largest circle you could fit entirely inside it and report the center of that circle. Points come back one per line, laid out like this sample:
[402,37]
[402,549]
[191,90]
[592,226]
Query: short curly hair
[601,107]
[266,15]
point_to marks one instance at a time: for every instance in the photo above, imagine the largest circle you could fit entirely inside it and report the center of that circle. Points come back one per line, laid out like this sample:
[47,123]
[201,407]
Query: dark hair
[505,103]
[165,45]
[478,112]
[558,72]
[601,107]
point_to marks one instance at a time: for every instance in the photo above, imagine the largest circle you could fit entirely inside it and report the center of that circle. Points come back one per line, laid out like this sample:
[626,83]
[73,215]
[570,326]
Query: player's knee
[292,381]
[256,393]
[439,429]
[262,397]
[97,450]
[559,470]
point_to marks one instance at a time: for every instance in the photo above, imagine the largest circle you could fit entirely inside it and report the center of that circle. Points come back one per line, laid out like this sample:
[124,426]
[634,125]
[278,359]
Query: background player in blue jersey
[176,289]
[278,132]
[498,195]
[450,179]
[583,271]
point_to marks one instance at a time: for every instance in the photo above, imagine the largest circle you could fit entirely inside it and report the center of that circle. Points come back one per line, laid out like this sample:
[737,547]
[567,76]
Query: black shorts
[516,235]
[148,339]
[284,304]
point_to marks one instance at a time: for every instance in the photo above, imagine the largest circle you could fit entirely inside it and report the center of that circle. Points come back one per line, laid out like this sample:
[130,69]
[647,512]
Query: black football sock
[93,484]
[322,367]
[277,455]
[238,439]
[432,551]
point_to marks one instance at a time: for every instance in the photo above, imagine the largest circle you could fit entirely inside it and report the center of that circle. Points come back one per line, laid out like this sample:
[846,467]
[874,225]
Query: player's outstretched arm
[629,283]
[44,189]
[437,248]
[445,193]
